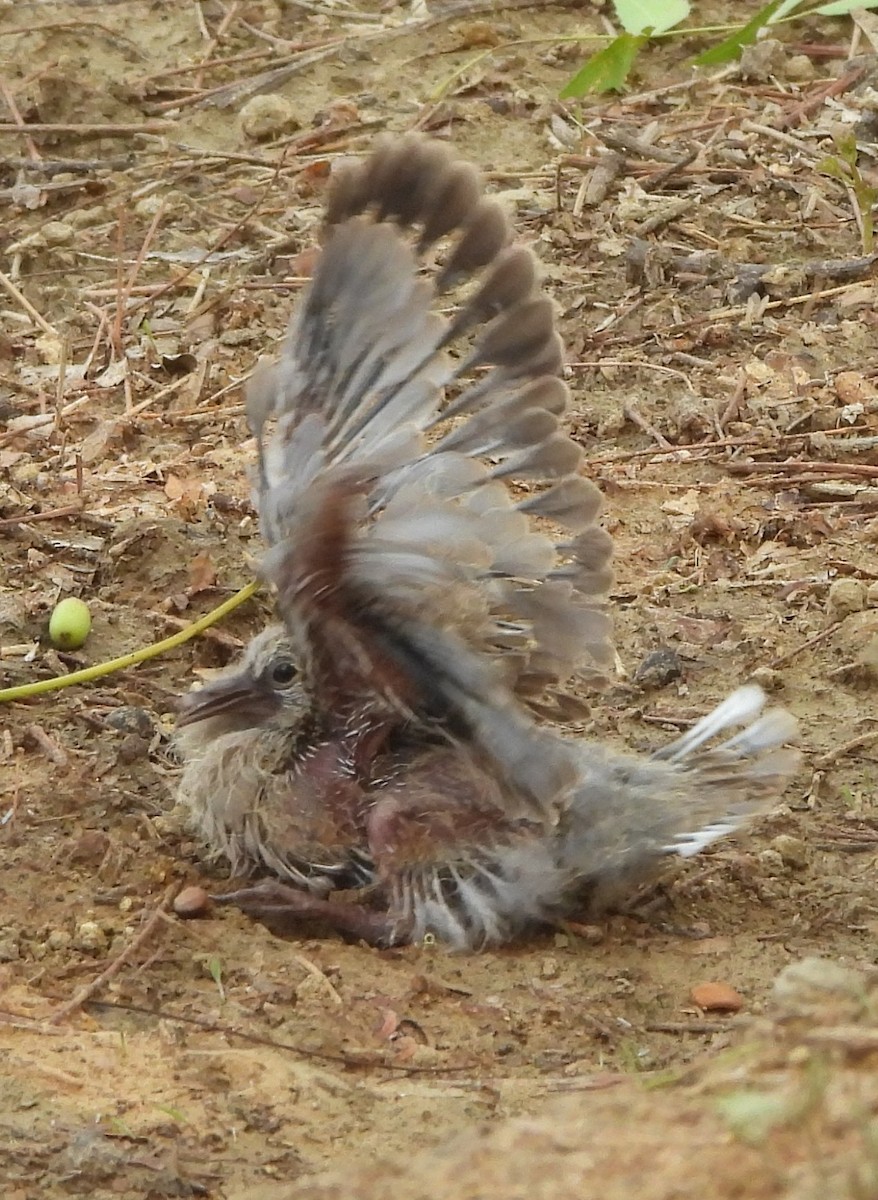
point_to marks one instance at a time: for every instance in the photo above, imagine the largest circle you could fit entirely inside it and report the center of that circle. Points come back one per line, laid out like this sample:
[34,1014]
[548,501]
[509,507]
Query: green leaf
[607,70]
[215,968]
[636,16]
[730,48]
[832,167]
[841,8]
[173,1113]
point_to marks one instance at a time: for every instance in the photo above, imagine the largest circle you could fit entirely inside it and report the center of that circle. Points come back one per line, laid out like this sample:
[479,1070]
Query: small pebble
[791,849]
[132,748]
[148,206]
[192,902]
[867,659]
[9,948]
[659,669]
[90,847]
[717,997]
[772,862]
[131,719]
[593,935]
[822,989]
[170,824]
[768,679]
[56,233]
[760,60]
[845,596]
[799,68]
[852,388]
[90,937]
[266,116]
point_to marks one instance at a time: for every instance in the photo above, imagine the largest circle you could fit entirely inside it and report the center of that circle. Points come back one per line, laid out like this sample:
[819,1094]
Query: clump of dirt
[717,300]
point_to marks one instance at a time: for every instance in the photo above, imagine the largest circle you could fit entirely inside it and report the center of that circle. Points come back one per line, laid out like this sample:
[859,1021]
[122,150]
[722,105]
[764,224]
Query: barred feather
[438,542]
[423,598]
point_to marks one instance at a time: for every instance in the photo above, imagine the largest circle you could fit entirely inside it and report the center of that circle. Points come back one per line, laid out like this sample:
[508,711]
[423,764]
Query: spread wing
[433,543]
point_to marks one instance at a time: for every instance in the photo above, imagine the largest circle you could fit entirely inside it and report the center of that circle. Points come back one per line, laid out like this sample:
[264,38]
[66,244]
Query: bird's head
[264,689]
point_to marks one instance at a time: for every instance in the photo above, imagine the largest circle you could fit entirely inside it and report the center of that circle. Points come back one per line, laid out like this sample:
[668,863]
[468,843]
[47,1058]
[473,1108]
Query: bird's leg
[437,808]
[285,909]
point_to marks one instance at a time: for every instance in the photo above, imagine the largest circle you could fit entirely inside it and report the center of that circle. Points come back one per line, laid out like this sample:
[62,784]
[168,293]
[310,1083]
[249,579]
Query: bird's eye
[283,672]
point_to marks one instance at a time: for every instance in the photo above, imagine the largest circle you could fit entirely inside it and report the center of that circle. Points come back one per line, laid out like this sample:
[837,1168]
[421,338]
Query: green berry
[69,624]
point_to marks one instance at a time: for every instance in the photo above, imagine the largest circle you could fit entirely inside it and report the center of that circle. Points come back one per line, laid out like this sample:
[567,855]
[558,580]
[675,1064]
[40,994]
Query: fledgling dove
[437,564]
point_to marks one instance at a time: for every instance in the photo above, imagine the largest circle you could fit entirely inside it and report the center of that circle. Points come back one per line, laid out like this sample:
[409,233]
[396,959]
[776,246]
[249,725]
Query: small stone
[593,935]
[132,748]
[549,968]
[10,950]
[192,902]
[90,937]
[14,619]
[799,68]
[266,116]
[768,679]
[171,824]
[772,862]
[148,206]
[791,849]
[717,997]
[760,60]
[852,388]
[131,719]
[846,596]
[57,233]
[872,595]
[819,987]
[59,939]
[659,668]
[699,929]
[90,847]
[867,660]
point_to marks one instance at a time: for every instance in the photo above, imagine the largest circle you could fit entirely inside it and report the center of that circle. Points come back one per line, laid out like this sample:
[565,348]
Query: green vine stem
[129,660]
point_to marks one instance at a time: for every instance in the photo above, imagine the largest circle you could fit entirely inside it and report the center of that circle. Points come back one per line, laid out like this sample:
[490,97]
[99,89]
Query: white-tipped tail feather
[623,817]
[629,811]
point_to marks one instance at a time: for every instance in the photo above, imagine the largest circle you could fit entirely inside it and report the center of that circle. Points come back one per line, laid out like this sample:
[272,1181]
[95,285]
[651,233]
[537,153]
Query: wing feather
[400,544]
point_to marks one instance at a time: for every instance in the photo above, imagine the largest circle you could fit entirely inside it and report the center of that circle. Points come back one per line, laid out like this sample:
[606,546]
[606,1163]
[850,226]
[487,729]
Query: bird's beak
[238,698]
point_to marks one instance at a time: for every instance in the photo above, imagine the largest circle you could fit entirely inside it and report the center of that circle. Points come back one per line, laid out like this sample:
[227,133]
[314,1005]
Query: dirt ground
[707,242]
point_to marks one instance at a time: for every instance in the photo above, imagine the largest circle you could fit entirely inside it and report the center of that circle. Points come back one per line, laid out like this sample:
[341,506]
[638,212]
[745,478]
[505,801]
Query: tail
[627,813]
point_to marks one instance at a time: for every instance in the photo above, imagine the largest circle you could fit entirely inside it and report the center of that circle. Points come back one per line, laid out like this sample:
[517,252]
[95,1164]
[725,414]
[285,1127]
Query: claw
[283,908]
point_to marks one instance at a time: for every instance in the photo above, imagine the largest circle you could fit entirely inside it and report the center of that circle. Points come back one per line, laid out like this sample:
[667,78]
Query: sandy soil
[733,431]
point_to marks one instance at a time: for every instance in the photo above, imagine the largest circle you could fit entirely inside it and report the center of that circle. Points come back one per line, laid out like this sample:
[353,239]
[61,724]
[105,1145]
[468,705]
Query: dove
[381,753]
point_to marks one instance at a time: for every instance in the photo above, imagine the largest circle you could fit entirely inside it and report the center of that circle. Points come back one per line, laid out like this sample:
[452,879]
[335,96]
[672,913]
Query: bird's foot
[283,909]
